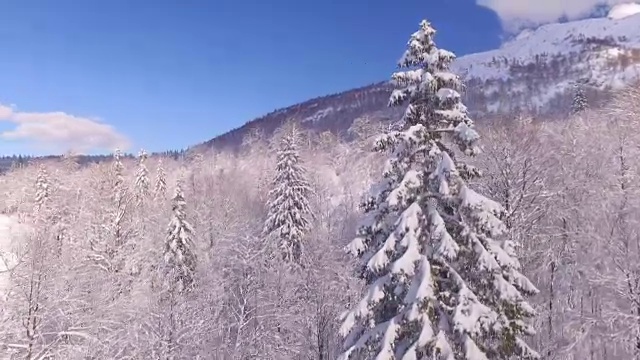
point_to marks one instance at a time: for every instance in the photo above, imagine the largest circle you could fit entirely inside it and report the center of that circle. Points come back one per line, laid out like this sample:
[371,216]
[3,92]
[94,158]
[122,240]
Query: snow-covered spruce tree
[580,102]
[142,177]
[46,216]
[179,251]
[288,205]
[31,281]
[43,188]
[160,186]
[120,201]
[442,281]
[118,169]
[178,270]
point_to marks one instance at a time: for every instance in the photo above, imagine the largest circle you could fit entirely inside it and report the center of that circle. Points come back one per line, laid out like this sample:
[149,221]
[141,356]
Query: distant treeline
[7,162]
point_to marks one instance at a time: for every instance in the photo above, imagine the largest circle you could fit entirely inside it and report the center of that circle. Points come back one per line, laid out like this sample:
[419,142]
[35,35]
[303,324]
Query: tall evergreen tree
[179,251]
[142,177]
[43,187]
[43,212]
[160,186]
[580,102]
[119,197]
[288,203]
[443,283]
[37,267]
[178,269]
[118,169]
[48,217]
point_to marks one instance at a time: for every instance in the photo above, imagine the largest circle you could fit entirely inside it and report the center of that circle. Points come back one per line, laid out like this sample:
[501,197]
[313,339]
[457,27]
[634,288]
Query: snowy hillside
[538,66]
[553,39]
[533,72]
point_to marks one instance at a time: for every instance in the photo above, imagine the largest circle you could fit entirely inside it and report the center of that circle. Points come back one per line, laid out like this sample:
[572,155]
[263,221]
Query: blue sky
[168,74]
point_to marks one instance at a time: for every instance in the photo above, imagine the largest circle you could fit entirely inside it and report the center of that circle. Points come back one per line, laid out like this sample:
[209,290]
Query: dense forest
[514,239]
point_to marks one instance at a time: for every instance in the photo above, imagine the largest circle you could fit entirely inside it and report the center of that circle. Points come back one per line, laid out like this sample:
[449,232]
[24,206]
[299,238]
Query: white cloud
[623,10]
[514,13]
[59,131]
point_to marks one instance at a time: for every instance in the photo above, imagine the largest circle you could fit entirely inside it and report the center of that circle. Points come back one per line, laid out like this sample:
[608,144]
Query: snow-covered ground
[11,232]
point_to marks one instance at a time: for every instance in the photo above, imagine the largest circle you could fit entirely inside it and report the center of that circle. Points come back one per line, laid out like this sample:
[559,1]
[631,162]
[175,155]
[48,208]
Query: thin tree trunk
[551,300]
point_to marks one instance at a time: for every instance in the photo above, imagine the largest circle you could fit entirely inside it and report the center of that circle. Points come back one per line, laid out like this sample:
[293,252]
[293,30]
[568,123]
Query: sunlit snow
[10,231]
[562,39]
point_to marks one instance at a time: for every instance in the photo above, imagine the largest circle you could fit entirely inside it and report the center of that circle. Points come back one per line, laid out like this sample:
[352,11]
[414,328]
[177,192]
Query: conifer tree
[44,214]
[118,169]
[288,205]
[160,186]
[43,187]
[443,283]
[142,177]
[580,102]
[119,200]
[32,277]
[70,161]
[179,251]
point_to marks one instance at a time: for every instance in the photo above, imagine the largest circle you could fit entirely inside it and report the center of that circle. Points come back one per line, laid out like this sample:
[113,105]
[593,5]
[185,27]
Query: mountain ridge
[533,72]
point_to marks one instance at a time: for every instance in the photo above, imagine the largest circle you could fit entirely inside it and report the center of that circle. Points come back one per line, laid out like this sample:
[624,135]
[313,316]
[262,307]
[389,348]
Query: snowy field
[11,231]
